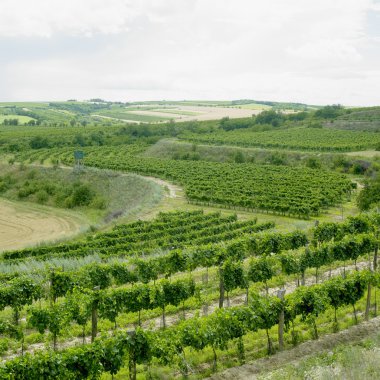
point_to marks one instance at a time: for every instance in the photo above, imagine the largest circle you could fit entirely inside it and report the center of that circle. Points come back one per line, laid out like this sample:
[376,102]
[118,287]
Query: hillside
[183,233]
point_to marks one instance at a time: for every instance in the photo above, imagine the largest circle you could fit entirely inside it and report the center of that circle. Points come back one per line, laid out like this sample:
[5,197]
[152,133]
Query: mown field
[249,241]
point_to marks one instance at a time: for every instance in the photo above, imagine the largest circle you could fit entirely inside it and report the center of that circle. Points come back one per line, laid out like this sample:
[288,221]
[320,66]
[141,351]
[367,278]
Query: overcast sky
[316,52]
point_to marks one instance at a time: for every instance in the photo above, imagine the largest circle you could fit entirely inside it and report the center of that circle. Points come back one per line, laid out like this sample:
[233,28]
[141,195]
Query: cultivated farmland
[191,237]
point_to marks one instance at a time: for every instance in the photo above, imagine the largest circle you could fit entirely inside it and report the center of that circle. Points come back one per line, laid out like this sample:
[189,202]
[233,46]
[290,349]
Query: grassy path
[307,349]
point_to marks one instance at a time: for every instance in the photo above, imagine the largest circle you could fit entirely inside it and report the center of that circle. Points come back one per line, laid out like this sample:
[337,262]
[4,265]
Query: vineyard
[258,253]
[171,208]
[143,237]
[314,139]
[299,192]
[179,284]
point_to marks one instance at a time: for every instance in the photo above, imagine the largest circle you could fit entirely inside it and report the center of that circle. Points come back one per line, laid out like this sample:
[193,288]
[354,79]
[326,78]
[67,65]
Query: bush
[39,142]
[4,346]
[315,124]
[330,112]
[50,188]
[32,174]
[270,117]
[42,196]
[98,203]
[277,158]
[5,183]
[370,195]
[313,163]
[26,190]
[239,157]
[81,196]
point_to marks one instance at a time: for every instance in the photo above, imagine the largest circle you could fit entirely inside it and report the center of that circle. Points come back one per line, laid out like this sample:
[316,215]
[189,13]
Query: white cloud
[301,50]
[44,18]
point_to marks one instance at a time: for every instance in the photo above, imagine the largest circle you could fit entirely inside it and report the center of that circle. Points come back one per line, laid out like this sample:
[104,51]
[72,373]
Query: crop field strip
[127,241]
[313,139]
[299,192]
[125,114]
[239,320]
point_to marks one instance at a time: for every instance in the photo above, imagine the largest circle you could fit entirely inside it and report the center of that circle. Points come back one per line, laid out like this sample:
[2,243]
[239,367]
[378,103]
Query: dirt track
[25,224]
[172,189]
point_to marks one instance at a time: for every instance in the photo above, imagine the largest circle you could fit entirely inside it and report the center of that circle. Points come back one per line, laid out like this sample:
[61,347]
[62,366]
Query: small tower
[78,159]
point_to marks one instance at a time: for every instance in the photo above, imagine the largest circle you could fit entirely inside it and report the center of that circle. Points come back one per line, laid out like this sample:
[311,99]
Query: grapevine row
[214,331]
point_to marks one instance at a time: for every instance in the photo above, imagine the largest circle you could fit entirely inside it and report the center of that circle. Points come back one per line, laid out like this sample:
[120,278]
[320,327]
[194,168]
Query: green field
[21,119]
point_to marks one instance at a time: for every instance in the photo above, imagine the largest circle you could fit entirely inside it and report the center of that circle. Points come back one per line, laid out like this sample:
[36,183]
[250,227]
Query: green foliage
[308,302]
[261,269]
[171,293]
[293,191]
[313,163]
[39,142]
[81,196]
[54,318]
[233,275]
[180,230]
[270,117]
[330,112]
[79,306]
[60,284]
[325,232]
[109,354]
[97,276]
[60,190]
[369,195]
[317,257]
[299,138]
[239,157]
[336,290]
[19,292]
